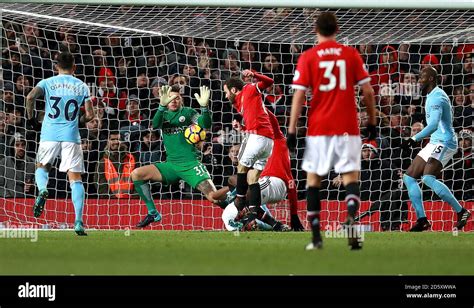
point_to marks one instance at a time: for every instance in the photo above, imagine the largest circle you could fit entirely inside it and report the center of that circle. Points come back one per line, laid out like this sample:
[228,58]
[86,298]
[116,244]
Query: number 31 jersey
[331,70]
[64,95]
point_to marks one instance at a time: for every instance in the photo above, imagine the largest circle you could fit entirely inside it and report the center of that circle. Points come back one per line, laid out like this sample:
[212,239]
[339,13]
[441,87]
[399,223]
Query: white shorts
[272,189]
[70,154]
[325,152]
[255,151]
[438,151]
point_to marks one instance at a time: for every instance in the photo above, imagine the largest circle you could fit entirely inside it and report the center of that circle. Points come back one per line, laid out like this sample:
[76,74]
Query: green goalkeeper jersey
[173,124]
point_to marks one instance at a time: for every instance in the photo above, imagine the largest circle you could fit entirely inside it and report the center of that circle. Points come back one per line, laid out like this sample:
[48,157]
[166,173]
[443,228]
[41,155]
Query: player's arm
[434,118]
[293,200]
[89,115]
[369,100]
[31,98]
[299,97]
[263,81]
[204,120]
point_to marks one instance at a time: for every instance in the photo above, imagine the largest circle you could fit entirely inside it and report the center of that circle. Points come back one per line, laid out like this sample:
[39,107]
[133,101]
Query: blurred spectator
[387,69]
[369,56]
[23,86]
[408,60]
[462,109]
[468,69]
[133,116]
[4,138]
[17,171]
[13,64]
[231,160]
[113,172]
[275,100]
[273,68]
[230,66]
[430,60]
[409,91]
[248,57]
[90,162]
[149,148]
[8,96]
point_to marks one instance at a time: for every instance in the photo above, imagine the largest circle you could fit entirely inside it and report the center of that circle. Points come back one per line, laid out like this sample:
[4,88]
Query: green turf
[220,253]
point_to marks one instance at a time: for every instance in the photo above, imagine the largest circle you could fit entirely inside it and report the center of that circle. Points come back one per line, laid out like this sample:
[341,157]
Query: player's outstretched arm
[263,81]
[36,93]
[434,119]
[204,120]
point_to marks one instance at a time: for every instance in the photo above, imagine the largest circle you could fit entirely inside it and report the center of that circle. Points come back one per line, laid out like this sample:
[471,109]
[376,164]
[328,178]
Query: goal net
[125,53]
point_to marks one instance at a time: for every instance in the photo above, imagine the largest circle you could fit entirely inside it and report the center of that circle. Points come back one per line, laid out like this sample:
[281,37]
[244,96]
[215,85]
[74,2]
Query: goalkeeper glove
[203,99]
[291,141]
[408,143]
[165,96]
[371,132]
[296,223]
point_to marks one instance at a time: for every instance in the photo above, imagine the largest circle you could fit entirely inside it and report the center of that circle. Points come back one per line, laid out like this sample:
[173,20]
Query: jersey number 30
[57,112]
[328,74]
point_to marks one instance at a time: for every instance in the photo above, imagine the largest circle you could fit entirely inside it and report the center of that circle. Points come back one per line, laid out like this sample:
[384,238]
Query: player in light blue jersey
[64,95]
[433,157]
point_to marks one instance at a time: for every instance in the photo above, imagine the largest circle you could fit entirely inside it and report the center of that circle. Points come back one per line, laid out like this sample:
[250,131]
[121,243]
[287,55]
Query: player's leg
[272,190]
[41,180]
[317,161]
[242,186]
[141,178]
[78,197]
[72,162]
[432,170]
[414,172]
[313,208]
[47,152]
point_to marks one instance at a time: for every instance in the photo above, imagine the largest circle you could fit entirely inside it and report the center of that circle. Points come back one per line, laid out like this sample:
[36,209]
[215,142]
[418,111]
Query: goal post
[126,52]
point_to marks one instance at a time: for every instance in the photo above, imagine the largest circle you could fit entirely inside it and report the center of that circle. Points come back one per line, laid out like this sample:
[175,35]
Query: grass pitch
[224,253]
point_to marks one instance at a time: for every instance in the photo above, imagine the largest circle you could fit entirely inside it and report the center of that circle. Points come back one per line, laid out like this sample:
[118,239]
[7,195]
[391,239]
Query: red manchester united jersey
[331,70]
[250,105]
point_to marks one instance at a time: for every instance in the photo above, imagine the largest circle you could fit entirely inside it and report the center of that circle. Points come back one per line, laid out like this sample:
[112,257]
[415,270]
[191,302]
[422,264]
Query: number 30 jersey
[64,95]
[331,70]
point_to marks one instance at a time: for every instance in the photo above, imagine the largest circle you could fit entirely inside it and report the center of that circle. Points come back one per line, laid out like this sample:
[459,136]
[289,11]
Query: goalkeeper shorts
[192,173]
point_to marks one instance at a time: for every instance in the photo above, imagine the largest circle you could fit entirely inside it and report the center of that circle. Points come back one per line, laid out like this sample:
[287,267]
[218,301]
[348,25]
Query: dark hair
[235,82]
[175,88]
[66,60]
[114,132]
[326,25]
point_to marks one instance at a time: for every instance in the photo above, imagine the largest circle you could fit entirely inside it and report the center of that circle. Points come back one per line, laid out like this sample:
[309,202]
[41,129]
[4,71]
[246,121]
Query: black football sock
[313,206]
[352,198]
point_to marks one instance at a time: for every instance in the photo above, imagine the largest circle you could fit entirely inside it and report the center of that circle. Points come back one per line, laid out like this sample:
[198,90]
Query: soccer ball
[194,134]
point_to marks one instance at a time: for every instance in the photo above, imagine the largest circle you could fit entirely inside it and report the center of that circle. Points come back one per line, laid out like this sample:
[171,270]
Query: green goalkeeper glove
[165,96]
[203,99]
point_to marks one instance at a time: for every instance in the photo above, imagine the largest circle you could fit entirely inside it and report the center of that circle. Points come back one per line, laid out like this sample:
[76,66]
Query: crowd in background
[125,73]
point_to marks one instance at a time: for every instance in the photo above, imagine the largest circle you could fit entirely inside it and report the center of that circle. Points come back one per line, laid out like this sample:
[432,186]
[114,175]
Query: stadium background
[121,69]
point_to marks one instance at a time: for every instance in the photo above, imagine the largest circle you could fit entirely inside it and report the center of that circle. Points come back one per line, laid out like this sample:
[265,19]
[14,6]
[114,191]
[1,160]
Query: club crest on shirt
[181,119]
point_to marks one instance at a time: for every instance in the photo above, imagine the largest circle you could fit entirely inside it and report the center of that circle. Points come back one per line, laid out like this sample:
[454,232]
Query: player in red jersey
[258,143]
[333,138]
[276,182]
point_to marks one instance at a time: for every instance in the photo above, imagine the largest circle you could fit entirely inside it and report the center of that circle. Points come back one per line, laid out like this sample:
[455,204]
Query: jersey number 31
[328,74]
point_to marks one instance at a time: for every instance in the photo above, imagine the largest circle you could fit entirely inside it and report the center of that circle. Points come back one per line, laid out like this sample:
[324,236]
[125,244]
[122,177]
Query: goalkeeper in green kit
[182,157]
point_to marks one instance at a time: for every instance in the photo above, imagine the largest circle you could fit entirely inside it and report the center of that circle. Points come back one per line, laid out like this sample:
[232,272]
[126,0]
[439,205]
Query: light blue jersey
[439,117]
[64,95]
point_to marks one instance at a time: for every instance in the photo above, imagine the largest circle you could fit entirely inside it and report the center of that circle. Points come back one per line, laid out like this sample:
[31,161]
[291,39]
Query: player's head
[178,101]
[428,77]
[326,25]
[232,88]
[66,62]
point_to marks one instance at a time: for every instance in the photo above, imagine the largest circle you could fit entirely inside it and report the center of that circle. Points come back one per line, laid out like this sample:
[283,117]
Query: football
[194,134]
